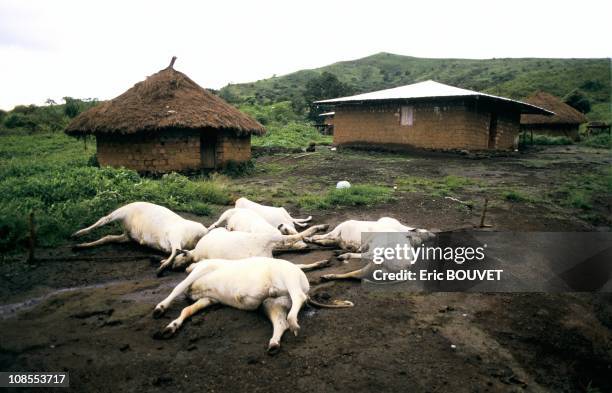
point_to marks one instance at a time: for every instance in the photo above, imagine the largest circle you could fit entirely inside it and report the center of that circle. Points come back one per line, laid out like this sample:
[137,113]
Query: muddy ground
[90,313]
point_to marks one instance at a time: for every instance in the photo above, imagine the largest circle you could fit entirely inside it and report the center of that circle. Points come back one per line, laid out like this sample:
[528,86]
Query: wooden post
[484,213]
[32,239]
[172,62]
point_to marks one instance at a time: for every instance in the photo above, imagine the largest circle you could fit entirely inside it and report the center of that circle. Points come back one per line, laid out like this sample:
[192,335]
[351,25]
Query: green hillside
[515,78]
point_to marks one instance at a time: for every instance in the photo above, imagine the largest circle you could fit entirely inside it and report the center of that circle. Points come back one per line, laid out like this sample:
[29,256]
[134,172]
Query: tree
[72,107]
[325,86]
[577,100]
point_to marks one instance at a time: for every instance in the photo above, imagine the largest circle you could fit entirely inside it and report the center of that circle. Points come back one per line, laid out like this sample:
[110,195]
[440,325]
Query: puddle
[10,310]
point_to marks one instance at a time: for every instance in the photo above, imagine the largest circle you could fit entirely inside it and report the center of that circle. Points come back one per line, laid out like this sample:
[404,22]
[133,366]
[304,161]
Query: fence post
[32,239]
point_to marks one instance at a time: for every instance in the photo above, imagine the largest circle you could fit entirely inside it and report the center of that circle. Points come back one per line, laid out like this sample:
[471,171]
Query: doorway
[208,150]
[493,130]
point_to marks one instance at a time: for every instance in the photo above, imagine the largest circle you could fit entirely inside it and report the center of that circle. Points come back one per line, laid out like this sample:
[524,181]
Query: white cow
[150,225]
[246,220]
[246,284]
[220,243]
[347,236]
[278,217]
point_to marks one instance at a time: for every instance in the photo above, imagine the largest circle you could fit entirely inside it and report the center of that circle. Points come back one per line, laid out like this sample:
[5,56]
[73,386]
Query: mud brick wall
[151,152]
[231,147]
[443,125]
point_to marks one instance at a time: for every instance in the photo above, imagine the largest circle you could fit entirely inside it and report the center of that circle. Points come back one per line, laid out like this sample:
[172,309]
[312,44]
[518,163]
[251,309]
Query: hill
[514,78]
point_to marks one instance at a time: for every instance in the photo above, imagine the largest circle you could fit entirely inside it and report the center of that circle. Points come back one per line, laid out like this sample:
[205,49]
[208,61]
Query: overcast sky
[51,49]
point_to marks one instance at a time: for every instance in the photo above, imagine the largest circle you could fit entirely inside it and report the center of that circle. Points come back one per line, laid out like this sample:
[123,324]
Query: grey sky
[50,49]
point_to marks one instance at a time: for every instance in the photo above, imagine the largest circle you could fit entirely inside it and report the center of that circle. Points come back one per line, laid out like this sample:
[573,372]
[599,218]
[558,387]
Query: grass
[548,140]
[439,187]
[51,175]
[586,195]
[602,141]
[357,195]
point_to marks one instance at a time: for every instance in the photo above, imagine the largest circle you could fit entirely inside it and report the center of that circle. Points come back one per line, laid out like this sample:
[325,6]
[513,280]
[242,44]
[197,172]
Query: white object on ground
[343,184]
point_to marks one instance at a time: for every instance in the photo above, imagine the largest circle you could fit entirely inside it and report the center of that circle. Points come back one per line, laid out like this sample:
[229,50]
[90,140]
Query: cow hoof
[168,332]
[160,271]
[158,312]
[273,349]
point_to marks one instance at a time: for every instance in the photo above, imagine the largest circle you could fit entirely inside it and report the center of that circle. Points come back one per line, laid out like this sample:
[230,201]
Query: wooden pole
[484,213]
[172,62]
[32,239]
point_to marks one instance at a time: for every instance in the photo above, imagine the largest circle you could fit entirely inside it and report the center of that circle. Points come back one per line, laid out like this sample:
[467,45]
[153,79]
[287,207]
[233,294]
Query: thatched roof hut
[167,122]
[564,122]
[563,113]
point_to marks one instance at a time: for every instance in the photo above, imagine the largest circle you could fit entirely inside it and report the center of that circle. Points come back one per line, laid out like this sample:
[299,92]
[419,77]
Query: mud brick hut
[167,123]
[565,122]
[429,115]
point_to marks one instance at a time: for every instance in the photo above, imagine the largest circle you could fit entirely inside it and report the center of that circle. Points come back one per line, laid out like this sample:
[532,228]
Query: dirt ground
[90,313]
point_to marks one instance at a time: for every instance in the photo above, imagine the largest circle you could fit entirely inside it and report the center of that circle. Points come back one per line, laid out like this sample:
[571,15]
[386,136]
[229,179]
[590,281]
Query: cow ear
[279,227]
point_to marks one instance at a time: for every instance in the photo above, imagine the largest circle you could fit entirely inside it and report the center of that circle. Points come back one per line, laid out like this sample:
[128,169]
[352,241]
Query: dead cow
[223,244]
[278,217]
[246,220]
[279,285]
[150,225]
[347,236]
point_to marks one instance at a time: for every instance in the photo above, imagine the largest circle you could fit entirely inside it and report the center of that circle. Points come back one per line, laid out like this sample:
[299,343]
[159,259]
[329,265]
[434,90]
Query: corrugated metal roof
[427,89]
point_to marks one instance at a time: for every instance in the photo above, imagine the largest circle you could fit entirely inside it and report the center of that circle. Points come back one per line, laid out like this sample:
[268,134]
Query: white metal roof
[327,114]
[427,89]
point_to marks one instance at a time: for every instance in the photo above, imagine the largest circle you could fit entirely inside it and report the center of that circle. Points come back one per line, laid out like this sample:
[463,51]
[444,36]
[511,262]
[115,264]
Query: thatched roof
[564,114]
[167,99]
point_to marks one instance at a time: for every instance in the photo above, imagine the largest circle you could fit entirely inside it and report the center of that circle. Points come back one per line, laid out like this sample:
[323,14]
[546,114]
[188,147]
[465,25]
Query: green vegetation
[51,117]
[583,192]
[602,141]
[578,100]
[539,139]
[514,78]
[357,195]
[294,134]
[440,187]
[50,174]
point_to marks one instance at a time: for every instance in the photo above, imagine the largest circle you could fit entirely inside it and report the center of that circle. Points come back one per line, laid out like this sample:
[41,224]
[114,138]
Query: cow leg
[187,312]
[322,240]
[196,273]
[314,265]
[224,217]
[105,240]
[167,262]
[356,274]
[298,297]
[349,255]
[276,310]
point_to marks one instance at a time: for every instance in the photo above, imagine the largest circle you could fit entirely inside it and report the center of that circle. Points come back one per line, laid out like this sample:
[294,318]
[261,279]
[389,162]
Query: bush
[551,140]
[294,134]
[578,101]
[603,141]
